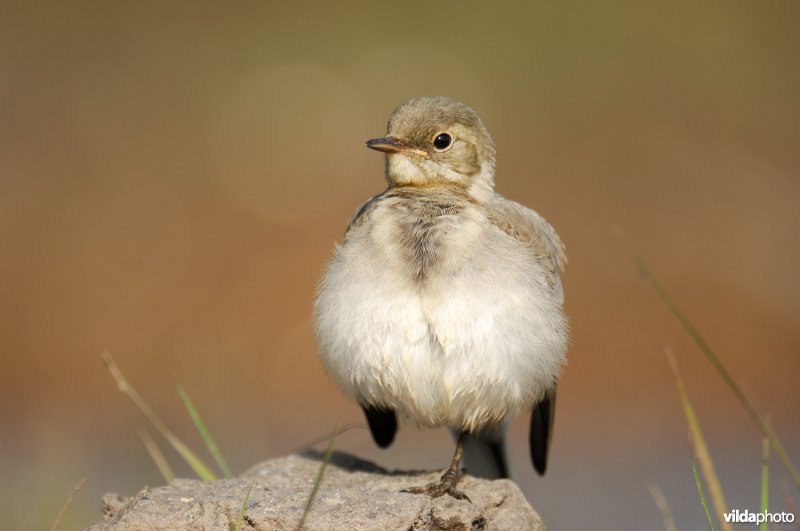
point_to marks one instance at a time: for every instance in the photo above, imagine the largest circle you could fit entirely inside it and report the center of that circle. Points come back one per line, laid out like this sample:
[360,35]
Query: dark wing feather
[542,431]
[382,424]
[362,214]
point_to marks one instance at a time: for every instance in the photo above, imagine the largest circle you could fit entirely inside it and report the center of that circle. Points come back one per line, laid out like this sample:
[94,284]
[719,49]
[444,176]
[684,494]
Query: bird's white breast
[466,342]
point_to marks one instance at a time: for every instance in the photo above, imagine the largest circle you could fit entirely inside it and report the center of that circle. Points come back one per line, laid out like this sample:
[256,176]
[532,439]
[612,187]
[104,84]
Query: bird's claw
[446,485]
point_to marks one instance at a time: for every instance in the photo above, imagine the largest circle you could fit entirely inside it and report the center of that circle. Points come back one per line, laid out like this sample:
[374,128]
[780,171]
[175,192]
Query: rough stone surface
[353,495]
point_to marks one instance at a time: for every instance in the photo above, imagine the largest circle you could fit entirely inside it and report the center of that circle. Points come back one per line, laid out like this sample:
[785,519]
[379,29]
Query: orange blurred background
[173,178]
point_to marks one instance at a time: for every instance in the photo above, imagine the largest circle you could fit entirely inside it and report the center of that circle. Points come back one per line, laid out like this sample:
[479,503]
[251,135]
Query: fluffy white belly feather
[467,347]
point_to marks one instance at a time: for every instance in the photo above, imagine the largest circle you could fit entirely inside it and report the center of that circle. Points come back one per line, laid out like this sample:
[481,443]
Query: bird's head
[438,141]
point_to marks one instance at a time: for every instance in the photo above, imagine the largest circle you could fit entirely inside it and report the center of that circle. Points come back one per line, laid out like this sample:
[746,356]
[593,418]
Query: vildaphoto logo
[746,517]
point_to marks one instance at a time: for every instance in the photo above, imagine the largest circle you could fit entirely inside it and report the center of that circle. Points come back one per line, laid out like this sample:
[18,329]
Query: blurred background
[173,178]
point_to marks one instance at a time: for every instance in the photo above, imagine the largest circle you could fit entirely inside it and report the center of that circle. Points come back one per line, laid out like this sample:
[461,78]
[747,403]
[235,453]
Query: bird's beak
[389,144]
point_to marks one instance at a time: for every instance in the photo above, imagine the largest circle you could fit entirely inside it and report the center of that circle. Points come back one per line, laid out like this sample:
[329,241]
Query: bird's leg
[447,483]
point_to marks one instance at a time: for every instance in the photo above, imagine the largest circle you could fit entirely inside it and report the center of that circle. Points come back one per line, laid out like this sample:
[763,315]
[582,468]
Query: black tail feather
[542,431]
[382,424]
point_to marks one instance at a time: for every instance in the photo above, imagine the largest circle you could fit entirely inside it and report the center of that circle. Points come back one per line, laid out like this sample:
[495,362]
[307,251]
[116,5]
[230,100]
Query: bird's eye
[442,141]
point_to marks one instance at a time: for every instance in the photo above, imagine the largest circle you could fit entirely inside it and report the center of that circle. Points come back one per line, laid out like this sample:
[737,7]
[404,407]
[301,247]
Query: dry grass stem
[197,464]
[699,448]
[701,343]
[63,511]
[663,507]
[157,456]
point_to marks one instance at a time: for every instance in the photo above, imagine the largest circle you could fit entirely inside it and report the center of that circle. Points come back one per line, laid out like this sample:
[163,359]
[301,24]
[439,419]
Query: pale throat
[400,170]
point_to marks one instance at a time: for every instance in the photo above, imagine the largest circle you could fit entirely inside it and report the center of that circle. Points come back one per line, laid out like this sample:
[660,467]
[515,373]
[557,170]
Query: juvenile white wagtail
[443,305]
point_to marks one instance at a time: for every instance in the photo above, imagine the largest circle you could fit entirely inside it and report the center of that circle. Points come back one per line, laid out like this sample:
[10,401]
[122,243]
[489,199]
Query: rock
[353,495]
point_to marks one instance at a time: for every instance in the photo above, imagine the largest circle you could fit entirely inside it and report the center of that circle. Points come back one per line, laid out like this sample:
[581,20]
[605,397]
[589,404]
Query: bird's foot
[446,485]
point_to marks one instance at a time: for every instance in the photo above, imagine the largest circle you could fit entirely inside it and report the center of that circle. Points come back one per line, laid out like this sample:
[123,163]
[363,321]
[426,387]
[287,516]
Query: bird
[443,304]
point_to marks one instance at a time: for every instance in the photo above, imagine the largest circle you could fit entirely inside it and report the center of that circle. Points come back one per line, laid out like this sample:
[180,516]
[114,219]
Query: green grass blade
[63,511]
[747,404]
[699,448]
[211,444]
[197,464]
[702,494]
[325,458]
[764,481]
[242,510]
[157,457]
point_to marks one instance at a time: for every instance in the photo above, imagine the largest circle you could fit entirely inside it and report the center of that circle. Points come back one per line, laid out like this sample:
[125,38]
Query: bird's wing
[382,422]
[529,227]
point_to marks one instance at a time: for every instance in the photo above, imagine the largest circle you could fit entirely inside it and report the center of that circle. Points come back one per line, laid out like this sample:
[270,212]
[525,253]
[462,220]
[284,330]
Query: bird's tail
[486,455]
